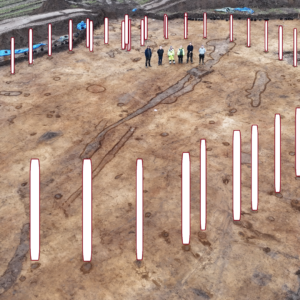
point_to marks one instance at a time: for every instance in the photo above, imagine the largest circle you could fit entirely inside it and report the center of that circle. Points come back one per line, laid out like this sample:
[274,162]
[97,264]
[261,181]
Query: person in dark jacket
[148,54]
[190,49]
[160,53]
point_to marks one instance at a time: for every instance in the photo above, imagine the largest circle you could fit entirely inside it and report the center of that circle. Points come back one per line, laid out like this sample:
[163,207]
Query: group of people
[171,55]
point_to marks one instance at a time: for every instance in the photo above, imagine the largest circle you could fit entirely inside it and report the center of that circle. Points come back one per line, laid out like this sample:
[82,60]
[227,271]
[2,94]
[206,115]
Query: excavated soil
[105,105]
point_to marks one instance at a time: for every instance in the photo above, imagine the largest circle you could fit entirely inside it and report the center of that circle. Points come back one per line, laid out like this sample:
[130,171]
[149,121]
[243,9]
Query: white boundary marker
[87,210]
[87,33]
[30,50]
[185,25]
[34,209]
[205,25]
[236,170]
[254,167]
[139,209]
[280,42]
[297,141]
[266,35]
[91,36]
[231,28]
[70,35]
[277,144]
[166,29]
[123,35]
[142,33]
[248,32]
[129,35]
[185,198]
[146,27]
[12,55]
[49,39]
[106,30]
[203,184]
[295,46]
[126,29]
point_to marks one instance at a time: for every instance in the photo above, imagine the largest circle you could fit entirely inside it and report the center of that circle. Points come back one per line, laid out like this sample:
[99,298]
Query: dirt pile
[51,5]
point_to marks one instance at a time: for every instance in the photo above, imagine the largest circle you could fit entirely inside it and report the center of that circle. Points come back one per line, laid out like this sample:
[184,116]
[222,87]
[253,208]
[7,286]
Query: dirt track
[101,105]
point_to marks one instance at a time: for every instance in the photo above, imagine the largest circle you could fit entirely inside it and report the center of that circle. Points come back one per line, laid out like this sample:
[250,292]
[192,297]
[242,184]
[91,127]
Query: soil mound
[51,5]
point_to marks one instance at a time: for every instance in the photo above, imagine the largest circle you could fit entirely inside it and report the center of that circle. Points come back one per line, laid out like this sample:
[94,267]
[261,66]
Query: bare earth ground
[101,105]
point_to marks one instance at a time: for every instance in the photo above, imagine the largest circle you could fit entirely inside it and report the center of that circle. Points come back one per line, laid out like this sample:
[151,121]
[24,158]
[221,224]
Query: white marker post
[254,166]
[185,25]
[139,209]
[87,33]
[231,28]
[280,43]
[126,29]
[70,35]
[166,27]
[297,141]
[146,27]
[185,198]
[106,30]
[266,36]
[248,32]
[34,209]
[123,35]
[49,39]
[91,36]
[87,210]
[277,155]
[236,181]
[203,184]
[295,48]
[205,25]
[30,48]
[12,55]
[142,33]
[129,35]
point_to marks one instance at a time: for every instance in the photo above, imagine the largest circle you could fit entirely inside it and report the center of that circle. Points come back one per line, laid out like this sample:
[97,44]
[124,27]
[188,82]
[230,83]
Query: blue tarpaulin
[81,25]
[8,52]
[249,10]
[135,9]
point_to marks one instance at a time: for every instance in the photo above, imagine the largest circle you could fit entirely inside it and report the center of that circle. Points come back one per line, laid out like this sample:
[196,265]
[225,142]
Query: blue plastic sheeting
[81,25]
[135,9]
[8,52]
[249,10]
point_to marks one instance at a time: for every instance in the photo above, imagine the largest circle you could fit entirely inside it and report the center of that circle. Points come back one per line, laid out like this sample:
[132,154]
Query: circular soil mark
[233,110]
[56,78]
[208,149]
[22,278]
[267,249]
[292,153]
[95,88]
[33,133]
[12,93]
[225,180]
[24,184]
[202,235]
[35,266]
[58,196]
[86,268]
[212,122]
[19,106]
[26,95]
[271,218]
[225,144]
[295,204]
[165,234]
[147,214]
[164,134]
[47,94]
[49,116]
[278,195]
[120,104]
[186,247]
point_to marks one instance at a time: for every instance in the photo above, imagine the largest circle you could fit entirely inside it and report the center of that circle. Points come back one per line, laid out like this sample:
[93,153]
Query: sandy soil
[101,105]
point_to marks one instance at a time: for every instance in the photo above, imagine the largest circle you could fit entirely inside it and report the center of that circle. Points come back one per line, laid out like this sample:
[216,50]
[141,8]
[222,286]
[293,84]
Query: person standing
[201,54]
[160,53]
[190,49]
[148,54]
[180,54]
[171,55]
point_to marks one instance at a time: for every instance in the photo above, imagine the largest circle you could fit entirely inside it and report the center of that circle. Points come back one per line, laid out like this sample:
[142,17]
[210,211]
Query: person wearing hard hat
[201,54]
[171,55]
[180,54]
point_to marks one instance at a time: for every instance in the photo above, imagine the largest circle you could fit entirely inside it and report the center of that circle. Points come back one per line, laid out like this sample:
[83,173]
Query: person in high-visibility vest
[171,55]
[180,54]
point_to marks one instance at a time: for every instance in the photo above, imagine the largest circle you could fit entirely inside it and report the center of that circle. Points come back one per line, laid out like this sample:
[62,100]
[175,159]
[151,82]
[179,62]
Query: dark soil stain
[136,59]
[208,149]
[11,119]
[292,153]
[295,204]
[261,279]
[95,88]
[201,294]
[58,196]
[147,214]
[56,78]
[24,184]
[33,133]
[47,94]
[11,93]
[186,247]
[26,94]
[22,278]
[49,136]
[225,180]
[35,266]
[19,106]
[156,283]
[164,134]
[212,122]
[120,104]
[266,249]
[118,176]
[14,267]
[49,116]
[233,110]
[225,143]
[86,268]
